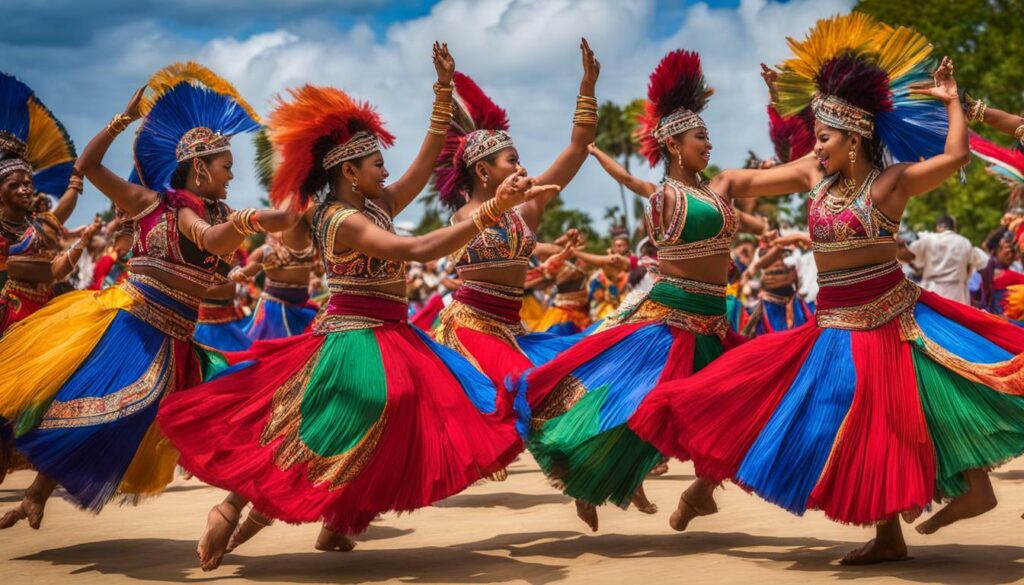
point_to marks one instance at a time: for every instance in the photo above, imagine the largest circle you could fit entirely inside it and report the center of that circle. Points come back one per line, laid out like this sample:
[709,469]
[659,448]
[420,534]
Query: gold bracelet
[76,184]
[244,221]
[436,131]
[478,221]
[198,231]
[118,124]
[438,88]
[1019,133]
[490,208]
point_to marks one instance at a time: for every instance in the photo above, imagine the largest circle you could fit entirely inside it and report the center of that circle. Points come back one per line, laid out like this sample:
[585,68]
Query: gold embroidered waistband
[891,304]
[512,293]
[651,310]
[278,284]
[163,318]
[326,323]
[694,286]
[37,292]
[571,300]
[857,275]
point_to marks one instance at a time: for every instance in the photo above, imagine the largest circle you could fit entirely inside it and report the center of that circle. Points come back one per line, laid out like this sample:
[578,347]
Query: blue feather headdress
[190,112]
[32,139]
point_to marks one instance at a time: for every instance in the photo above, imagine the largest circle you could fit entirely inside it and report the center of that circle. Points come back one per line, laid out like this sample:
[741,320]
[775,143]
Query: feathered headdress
[1007,165]
[319,119]
[37,140]
[855,74]
[676,94]
[189,112]
[478,128]
[792,136]
[266,159]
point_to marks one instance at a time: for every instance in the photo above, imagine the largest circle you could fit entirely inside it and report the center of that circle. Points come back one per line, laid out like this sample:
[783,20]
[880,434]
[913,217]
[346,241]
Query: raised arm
[584,130]
[602,260]
[793,177]
[224,238]
[67,202]
[128,196]
[362,234]
[1004,122]
[403,191]
[618,172]
[921,177]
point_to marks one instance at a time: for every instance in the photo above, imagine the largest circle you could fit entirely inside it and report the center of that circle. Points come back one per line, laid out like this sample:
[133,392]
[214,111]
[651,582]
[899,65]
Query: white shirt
[947,260]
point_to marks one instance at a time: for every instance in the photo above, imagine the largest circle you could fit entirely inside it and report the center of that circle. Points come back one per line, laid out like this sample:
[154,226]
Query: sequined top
[836,225]
[702,223]
[159,244]
[37,239]
[509,243]
[277,255]
[353,268]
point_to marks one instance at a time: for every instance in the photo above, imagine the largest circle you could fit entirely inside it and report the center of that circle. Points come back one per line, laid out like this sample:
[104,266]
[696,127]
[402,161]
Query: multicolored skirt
[774,313]
[427,317]
[574,409]
[20,299]
[569,314]
[363,415]
[81,380]
[282,311]
[483,325]
[221,326]
[876,406]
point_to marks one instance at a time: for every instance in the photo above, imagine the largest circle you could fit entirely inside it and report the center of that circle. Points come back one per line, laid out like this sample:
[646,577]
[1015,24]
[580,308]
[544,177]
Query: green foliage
[616,128]
[558,218]
[982,37]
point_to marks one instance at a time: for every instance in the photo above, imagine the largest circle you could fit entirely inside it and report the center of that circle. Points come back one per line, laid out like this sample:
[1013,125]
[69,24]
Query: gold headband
[361,144]
[481,143]
[839,113]
[678,121]
[201,141]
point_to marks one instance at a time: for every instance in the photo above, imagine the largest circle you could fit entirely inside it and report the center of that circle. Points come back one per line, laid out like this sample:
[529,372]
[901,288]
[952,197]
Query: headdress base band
[201,141]
[360,145]
[14,164]
[839,113]
[483,143]
[678,121]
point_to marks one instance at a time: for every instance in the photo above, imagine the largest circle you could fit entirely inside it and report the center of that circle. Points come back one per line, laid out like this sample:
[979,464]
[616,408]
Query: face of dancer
[367,174]
[1005,254]
[17,191]
[498,168]
[214,175]
[620,246]
[691,149]
[833,145]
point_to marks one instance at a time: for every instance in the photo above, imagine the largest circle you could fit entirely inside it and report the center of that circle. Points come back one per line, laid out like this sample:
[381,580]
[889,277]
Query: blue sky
[85,58]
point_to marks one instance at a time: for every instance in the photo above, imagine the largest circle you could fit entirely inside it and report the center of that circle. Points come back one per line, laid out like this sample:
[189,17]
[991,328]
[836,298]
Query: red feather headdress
[792,136]
[319,120]
[676,94]
[478,128]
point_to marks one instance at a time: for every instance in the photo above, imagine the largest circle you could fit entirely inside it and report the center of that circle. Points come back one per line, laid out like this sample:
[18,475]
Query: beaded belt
[216,312]
[857,275]
[865,298]
[695,286]
[170,310]
[37,292]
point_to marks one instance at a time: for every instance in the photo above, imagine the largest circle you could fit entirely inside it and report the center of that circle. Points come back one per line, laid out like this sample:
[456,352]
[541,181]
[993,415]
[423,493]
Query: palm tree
[615,129]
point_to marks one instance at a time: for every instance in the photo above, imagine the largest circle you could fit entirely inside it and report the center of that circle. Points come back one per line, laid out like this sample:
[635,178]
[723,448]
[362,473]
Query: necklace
[13,229]
[848,192]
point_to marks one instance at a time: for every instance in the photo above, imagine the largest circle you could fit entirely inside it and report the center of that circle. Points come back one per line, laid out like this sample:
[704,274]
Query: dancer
[284,307]
[36,156]
[364,414]
[483,321]
[580,401]
[779,307]
[1005,122]
[81,402]
[807,418]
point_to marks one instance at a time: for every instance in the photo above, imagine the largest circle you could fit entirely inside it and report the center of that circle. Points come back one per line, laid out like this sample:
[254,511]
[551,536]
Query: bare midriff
[711,269]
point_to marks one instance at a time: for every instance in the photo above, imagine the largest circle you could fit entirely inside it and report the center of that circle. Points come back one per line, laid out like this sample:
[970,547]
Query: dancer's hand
[591,66]
[132,109]
[86,237]
[944,88]
[517,188]
[770,76]
[444,63]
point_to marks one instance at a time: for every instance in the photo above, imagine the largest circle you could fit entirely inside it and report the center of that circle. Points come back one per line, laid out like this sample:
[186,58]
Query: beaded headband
[839,113]
[678,121]
[361,144]
[14,164]
[201,141]
[12,144]
[481,143]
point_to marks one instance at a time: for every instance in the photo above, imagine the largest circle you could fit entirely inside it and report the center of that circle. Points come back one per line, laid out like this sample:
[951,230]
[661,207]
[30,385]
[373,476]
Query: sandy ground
[517,531]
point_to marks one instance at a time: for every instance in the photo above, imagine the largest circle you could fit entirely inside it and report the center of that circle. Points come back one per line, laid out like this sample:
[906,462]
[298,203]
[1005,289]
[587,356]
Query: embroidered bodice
[837,226]
[159,243]
[277,255]
[509,243]
[353,267]
[702,223]
[37,239]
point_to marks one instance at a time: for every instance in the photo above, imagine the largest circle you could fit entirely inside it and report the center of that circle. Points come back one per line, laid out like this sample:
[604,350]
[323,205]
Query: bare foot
[328,540]
[909,516]
[697,500]
[660,469]
[587,513]
[220,524]
[31,507]
[642,504]
[978,499]
[248,528]
[500,475]
[876,551]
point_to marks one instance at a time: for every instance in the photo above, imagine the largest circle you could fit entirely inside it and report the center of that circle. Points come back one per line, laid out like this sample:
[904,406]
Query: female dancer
[284,307]
[341,424]
[779,307]
[82,404]
[36,155]
[581,400]
[891,396]
[483,322]
[1005,122]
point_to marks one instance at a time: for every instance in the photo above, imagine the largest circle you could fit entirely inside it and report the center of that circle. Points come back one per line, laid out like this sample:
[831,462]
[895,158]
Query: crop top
[277,255]
[159,244]
[37,239]
[509,243]
[353,267]
[836,225]
[702,223]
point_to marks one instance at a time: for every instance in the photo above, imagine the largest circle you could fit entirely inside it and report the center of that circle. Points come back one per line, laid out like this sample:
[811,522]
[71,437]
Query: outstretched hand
[770,77]
[591,66]
[444,63]
[132,109]
[944,87]
[517,188]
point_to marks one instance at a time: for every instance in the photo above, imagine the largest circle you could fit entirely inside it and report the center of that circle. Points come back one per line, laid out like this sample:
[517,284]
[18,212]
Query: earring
[355,187]
[197,179]
[679,159]
[853,155]
[485,181]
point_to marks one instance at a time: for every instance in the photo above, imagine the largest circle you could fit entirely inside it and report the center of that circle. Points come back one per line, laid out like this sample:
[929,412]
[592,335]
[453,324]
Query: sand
[517,531]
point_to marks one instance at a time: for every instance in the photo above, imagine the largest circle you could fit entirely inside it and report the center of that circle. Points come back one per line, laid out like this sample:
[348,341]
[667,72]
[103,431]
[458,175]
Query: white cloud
[523,52]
